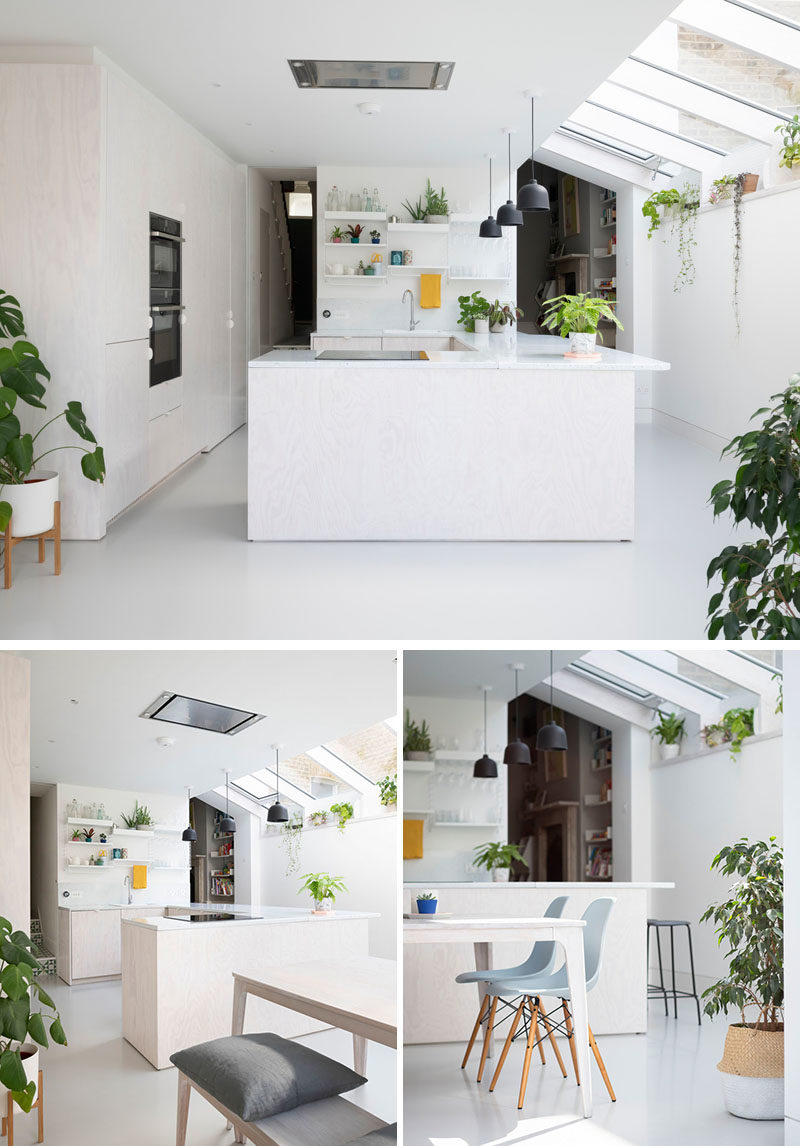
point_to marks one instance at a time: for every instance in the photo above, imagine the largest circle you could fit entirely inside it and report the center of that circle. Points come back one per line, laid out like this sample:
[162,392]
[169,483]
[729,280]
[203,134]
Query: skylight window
[374,74]
[681,124]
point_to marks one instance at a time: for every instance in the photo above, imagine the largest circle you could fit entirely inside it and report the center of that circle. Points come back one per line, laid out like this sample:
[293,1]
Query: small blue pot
[427,906]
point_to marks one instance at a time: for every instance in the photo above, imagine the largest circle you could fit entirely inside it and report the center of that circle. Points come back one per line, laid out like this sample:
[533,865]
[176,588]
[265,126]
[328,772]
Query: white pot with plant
[140,820]
[436,206]
[734,728]
[497,858]
[416,739]
[669,732]
[474,313]
[785,164]
[502,316]
[27,493]
[323,889]
[577,317]
[750,924]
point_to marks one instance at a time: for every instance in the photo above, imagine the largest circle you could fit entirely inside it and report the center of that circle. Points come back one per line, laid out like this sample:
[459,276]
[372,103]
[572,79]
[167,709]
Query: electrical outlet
[76,895]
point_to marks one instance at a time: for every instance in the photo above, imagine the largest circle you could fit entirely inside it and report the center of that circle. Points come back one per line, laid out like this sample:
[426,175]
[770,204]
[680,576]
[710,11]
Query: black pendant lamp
[485,768]
[552,737]
[278,813]
[533,197]
[509,215]
[190,835]
[517,752]
[490,228]
[227,825]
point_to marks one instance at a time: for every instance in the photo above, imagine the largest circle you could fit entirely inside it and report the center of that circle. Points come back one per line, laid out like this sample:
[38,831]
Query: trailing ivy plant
[387,788]
[343,813]
[734,727]
[760,594]
[686,203]
[738,191]
[750,922]
[291,839]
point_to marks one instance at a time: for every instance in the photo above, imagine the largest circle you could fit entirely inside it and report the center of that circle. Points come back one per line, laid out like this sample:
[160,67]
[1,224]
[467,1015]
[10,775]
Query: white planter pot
[32,503]
[144,827]
[756,1098]
[323,906]
[501,874]
[670,751]
[498,328]
[30,1064]
[481,325]
[581,343]
[417,756]
[440,219]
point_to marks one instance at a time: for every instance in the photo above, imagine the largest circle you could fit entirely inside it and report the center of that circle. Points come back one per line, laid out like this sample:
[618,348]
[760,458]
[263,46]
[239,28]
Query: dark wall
[301,237]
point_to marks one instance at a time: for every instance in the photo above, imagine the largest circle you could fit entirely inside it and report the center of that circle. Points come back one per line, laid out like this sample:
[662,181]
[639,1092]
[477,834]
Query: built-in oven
[166,308]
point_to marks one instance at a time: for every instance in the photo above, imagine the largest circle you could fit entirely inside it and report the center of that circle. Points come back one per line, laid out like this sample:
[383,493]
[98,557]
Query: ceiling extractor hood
[414,75]
[173,708]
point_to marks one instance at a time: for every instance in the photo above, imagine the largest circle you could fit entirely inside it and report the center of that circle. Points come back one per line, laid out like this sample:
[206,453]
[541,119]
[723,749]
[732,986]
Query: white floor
[178,566]
[666,1084]
[100,1090]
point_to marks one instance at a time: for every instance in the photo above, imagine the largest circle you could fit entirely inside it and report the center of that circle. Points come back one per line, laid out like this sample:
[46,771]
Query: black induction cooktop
[212,917]
[372,355]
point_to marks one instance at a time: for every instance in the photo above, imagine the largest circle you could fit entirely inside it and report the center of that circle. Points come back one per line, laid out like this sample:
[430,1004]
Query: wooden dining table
[483,932]
[358,995]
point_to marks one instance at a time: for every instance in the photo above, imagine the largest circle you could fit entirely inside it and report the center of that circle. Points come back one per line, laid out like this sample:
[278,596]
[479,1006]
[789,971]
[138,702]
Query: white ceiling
[308,698]
[458,674]
[181,49]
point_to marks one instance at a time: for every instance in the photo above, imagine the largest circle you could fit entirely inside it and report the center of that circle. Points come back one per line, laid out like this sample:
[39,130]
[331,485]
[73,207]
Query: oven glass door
[165,343]
[165,264]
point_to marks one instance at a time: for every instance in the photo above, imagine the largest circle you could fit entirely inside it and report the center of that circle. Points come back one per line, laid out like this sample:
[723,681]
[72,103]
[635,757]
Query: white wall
[791,904]
[44,864]
[15,706]
[718,380]
[699,804]
[378,305]
[364,855]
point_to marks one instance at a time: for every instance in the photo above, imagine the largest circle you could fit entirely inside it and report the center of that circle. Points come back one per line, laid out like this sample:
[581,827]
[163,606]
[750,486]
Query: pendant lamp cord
[552,711]
[533,176]
[490,185]
[485,737]
[227,809]
[516,702]
[277,777]
[509,165]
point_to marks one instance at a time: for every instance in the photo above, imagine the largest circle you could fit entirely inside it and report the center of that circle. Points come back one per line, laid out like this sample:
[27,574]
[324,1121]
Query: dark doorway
[300,202]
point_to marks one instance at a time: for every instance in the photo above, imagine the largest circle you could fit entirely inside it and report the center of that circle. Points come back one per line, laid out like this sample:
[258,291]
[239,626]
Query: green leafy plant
[387,787]
[23,1007]
[503,313]
[319,817]
[670,729]
[337,233]
[472,306]
[415,210]
[722,188]
[495,854]
[686,203]
[734,727]
[427,895]
[750,921]
[343,813]
[354,232]
[374,234]
[322,886]
[291,840]
[669,197]
[760,594]
[578,314]
[21,374]
[435,201]
[416,737]
[790,141]
[140,818]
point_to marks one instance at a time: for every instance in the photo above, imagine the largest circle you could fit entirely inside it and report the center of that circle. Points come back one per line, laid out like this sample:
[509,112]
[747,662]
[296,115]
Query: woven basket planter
[752,1072]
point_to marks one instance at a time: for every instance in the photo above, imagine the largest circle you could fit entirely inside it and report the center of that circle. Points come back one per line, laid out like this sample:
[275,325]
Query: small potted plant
[436,207]
[354,232]
[360,267]
[323,889]
[502,315]
[375,236]
[387,788]
[336,235]
[734,727]
[343,813]
[669,732]
[319,817]
[416,210]
[722,189]
[497,858]
[416,739]
[427,902]
[474,314]
[750,925]
[790,145]
[141,819]
[577,316]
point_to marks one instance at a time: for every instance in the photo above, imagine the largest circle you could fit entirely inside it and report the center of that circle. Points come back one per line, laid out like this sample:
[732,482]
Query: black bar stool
[655,990]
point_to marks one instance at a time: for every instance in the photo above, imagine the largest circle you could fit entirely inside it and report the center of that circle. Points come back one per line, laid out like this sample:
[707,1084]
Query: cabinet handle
[150,353]
[230,324]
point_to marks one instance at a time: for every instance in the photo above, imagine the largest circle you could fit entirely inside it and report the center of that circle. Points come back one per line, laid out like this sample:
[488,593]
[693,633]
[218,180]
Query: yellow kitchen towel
[139,875]
[412,839]
[430,292]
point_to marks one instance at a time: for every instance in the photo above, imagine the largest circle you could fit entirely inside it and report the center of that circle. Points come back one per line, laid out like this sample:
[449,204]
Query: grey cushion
[383,1136]
[259,1075]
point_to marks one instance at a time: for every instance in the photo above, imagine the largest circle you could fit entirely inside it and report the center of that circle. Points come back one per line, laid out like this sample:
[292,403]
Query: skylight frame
[724,92]
[654,127]
[765,13]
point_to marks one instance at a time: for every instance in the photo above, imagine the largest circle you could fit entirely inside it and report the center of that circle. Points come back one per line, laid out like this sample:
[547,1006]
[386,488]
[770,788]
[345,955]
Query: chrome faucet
[127,883]
[411,323]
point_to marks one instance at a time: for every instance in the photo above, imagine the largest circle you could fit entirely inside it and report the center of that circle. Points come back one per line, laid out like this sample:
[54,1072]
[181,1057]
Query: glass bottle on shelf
[366,200]
[355,201]
[101,812]
[87,812]
[73,810]
[376,200]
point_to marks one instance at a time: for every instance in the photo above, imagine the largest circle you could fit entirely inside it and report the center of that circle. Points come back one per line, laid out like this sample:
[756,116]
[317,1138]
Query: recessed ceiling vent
[173,708]
[412,75]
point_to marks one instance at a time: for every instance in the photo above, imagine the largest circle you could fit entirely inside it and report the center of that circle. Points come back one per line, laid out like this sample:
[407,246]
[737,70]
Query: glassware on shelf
[73,810]
[87,812]
[101,812]
[376,200]
[355,202]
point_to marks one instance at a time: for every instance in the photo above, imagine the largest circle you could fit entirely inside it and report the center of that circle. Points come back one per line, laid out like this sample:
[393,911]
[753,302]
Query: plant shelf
[419,228]
[355,278]
[479,278]
[343,245]
[357,216]
[146,835]
[417,268]
[459,824]
[90,843]
[79,823]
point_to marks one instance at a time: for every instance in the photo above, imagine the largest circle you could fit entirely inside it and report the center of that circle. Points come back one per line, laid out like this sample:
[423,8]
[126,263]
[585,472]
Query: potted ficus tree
[27,493]
[497,858]
[25,1008]
[323,889]
[577,317]
[750,923]
[669,732]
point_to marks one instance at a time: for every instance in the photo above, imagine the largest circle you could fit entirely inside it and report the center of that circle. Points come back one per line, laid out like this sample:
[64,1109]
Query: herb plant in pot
[427,902]
[436,206]
[323,889]
[750,923]
[28,494]
[577,317]
[497,858]
[502,316]
[416,739]
[669,732]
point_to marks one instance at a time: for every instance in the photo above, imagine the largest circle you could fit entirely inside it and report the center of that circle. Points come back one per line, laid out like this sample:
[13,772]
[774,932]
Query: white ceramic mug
[338,268]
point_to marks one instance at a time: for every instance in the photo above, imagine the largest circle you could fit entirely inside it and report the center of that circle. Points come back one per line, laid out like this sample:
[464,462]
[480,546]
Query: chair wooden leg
[40,1106]
[475,1029]
[526,1065]
[57,539]
[553,1042]
[184,1092]
[508,1042]
[534,1008]
[571,1040]
[487,1038]
[41,550]
[599,1060]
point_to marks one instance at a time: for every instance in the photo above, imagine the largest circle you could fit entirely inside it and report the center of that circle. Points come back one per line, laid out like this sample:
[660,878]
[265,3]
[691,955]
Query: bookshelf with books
[597,805]
[221,867]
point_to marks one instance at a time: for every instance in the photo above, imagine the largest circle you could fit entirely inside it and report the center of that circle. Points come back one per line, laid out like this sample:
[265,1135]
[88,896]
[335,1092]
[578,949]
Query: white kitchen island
[177,977]
[491,439]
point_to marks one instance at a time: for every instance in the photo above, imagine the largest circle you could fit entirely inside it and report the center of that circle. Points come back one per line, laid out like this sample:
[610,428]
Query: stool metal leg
[691,964]
[672,956]
[661,971]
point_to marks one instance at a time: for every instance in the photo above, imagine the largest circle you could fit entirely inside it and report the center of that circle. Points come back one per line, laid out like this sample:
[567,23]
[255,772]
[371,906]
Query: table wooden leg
[184,1093]
[40,1105]
[9,1119]
[239,1003]
[360,1055]
[483,962]
[572,942]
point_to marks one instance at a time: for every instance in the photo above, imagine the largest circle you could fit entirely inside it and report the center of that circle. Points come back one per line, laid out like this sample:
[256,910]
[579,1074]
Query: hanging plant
[387,788]
[684,204]
[343,813]
[291,840]
[738,191]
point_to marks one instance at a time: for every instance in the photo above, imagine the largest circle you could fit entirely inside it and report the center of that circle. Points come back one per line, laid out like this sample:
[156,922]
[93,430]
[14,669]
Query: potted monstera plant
[750,923]
[28,493]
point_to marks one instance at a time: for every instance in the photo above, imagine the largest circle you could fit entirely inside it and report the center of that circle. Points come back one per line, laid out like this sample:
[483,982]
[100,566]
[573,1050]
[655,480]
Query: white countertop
[532,885]
[483,351]
[115,906]
[266,916]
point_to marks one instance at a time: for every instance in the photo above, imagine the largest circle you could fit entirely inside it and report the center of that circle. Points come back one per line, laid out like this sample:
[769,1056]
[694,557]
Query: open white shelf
[605,226]
[345,245]
[145,835]
[78,823]
[417,269]
[479,278]
[610,199]
[160,867]
[89,843]
[419,228]
[355,278]
[357,216]
[418,765]
[458,824]
[417,811]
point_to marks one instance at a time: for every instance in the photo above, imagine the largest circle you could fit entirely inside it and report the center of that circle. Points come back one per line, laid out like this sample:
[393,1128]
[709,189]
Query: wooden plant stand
[53,534]
[38,1105]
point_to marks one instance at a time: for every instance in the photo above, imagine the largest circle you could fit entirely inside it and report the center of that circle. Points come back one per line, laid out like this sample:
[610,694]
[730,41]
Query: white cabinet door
[142,912]
[416,342]
[166,444]
[95,943]
[125,438]
[345,342]
[238,340]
